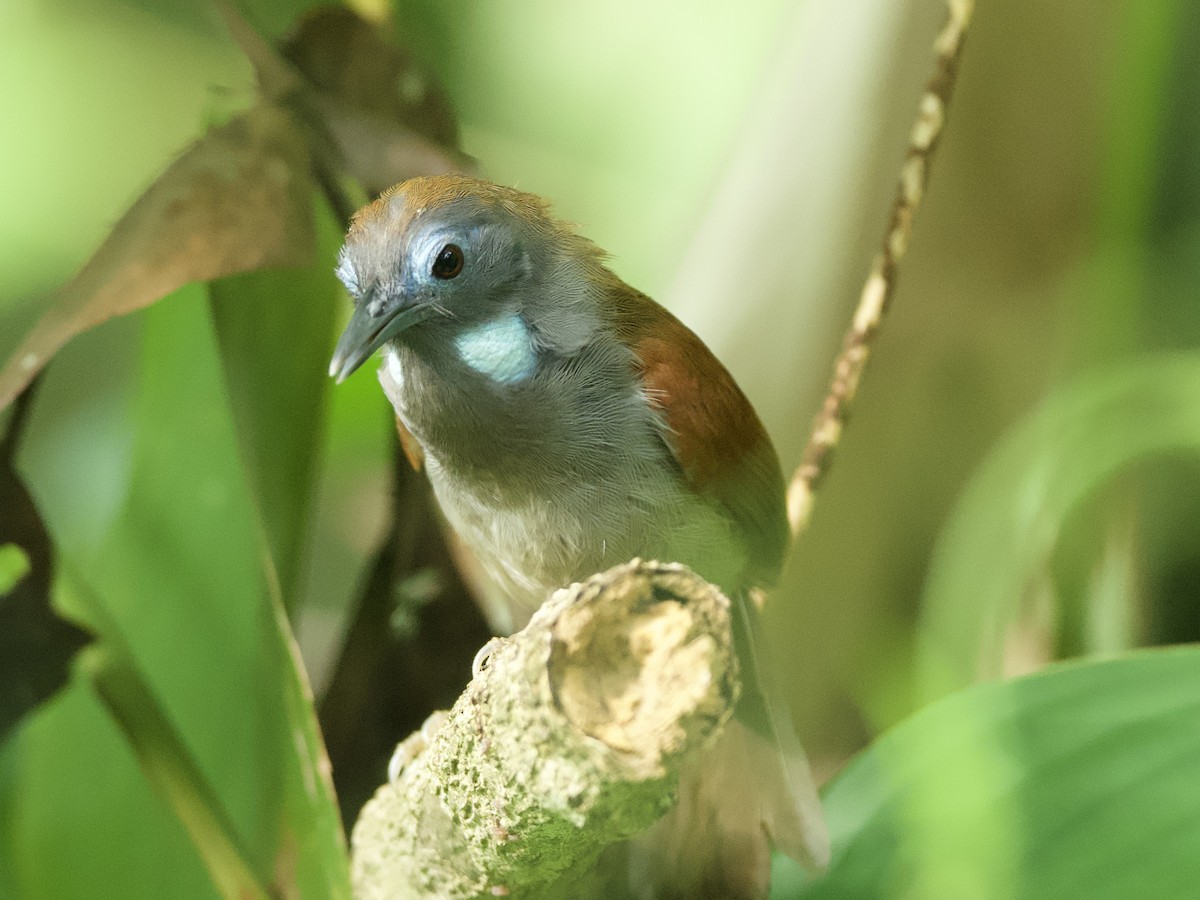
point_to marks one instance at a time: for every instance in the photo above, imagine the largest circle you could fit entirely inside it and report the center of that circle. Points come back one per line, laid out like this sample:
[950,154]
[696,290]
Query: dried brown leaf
[276,79]
[379,153]
[349,59]
[236,201]
[388,116]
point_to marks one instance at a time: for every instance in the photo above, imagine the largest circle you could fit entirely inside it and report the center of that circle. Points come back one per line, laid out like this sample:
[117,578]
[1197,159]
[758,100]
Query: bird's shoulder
[722,449]
[413,451]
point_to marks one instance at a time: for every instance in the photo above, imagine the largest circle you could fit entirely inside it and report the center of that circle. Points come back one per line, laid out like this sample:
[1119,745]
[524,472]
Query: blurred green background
[737,162]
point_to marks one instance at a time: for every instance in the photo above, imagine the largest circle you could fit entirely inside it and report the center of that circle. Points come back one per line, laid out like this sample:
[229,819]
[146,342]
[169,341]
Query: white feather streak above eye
[501,349]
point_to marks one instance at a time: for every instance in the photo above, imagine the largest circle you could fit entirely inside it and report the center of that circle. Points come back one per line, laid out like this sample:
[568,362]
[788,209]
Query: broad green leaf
[182,574]
[1079,781]
[275,331]
[166,761]
[72,799]
[1005,525]
[78,819]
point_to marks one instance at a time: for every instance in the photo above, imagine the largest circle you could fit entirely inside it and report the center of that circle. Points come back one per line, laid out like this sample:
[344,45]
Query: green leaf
[1079,781]
[182,582]
[275,330]
[78,819]
[167,762]
[1117,304]
[72,799]
[14,565]
[1005,525]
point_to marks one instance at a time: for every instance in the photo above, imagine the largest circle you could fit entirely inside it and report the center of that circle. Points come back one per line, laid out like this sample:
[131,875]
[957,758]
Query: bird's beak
[366,333]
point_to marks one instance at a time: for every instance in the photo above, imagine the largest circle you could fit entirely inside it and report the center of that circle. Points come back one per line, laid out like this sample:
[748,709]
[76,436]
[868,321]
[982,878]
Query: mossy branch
[568,740]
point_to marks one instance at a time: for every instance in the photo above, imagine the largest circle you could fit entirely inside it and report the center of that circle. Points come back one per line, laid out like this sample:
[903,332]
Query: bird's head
[447,254]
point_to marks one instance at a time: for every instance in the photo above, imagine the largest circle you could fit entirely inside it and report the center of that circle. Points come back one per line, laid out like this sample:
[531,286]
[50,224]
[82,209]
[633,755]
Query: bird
[568,423]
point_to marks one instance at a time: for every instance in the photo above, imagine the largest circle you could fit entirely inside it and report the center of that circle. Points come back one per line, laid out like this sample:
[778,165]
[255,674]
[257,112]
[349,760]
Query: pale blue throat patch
[501,349]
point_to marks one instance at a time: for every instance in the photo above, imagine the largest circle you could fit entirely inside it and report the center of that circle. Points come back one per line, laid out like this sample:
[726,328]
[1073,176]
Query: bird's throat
[501,349]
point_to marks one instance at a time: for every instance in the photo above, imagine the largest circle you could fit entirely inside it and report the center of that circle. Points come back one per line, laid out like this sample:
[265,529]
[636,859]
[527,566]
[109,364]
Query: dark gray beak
[366,333]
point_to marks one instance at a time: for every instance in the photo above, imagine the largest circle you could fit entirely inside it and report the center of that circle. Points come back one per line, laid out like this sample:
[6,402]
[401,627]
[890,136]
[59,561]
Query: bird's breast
[559,477]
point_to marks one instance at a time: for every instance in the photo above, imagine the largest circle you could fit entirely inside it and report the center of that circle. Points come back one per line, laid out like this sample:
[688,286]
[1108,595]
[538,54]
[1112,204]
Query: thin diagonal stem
[881,282]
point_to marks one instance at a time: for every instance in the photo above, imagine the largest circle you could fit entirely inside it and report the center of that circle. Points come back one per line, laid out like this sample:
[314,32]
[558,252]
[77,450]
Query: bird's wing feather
[722,449]
[753,788]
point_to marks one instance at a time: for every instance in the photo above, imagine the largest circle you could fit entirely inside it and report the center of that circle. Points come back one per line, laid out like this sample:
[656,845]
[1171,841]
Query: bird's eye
[449,262]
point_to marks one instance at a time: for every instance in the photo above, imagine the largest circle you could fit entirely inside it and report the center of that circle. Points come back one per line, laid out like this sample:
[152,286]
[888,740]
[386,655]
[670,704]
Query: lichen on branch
[567,741]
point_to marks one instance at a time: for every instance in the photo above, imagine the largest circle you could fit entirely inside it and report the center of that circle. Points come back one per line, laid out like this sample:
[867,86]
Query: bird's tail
[750,791]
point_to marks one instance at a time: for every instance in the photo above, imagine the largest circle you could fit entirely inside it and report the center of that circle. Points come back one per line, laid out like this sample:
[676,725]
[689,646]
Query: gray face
[439,271]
